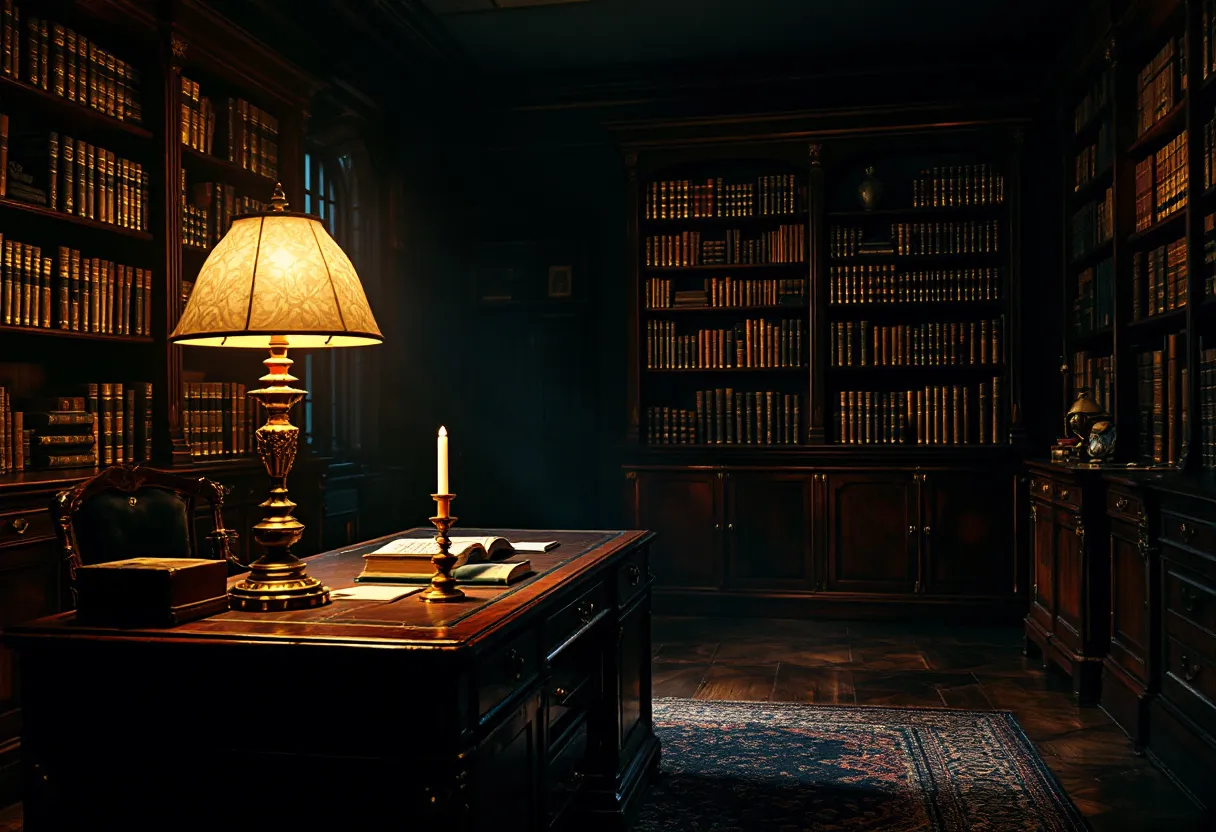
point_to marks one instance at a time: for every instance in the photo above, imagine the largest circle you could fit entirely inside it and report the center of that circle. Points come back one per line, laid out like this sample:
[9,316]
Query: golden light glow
[277,274]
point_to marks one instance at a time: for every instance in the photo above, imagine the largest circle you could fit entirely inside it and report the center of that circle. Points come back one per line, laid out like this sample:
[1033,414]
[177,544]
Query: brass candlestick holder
[443,586]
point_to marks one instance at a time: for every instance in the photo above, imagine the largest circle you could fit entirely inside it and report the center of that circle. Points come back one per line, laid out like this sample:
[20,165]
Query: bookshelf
[111,266]
[766,493]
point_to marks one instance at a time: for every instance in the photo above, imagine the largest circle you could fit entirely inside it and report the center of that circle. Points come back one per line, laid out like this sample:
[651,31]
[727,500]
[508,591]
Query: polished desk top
[407,622]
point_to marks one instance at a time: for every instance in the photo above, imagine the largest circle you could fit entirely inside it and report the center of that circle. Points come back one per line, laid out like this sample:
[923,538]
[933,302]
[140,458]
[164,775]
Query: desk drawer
[1190,681]
[505,670]
[564,777]
[24,526]
[572,687]
[1121,505]
[632,576]
[1054,491]
[1190,596]
[575,616]
[1190,533]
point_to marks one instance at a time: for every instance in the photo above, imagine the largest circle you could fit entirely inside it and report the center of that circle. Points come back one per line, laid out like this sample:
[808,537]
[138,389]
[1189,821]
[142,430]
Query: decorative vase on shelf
[870,190]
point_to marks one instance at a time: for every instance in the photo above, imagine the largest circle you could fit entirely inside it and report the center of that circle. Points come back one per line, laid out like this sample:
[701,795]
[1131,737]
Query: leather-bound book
[150,592]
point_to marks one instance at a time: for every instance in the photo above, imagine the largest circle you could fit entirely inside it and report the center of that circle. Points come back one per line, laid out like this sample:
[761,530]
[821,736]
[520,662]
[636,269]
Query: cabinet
[1068,620]
[801,541]
[1127,672]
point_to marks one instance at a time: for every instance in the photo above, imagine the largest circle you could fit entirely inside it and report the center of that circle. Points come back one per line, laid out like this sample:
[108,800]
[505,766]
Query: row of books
[1208,27]
[1095,98]
[682,199]
[1160,84]
[752,344]
[253,138]
[1209,153]
[887,284]
[786,244]
[1161,183]
[726,292]
[73,176]
[55,58]
[955,414]
[933,344]
[1094,306]
[197,118]
[208,209]
[844,241]
[1207,404]
[725,416]
[217,419]
[82,294]
[1209,254]
[1161,377]
[110,424]
[1095,372]
[1159,280]
[1093,224]
[957,185]
[965,237]
[1093,159]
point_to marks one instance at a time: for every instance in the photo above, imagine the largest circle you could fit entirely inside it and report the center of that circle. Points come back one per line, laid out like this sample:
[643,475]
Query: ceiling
[545,36]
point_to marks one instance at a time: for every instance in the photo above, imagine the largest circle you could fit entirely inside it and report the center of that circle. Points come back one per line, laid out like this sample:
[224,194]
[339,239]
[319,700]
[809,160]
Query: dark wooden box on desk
[526,707]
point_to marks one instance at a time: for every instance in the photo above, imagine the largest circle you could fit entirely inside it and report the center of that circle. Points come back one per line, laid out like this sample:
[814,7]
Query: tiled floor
[897,664]
[927,665]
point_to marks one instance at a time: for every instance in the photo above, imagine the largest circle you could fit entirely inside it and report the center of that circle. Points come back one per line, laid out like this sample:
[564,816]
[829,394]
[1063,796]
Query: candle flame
[443,431]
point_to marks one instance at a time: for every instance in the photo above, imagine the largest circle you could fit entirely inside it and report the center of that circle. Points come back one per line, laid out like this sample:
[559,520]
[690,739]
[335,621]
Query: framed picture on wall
[560,282]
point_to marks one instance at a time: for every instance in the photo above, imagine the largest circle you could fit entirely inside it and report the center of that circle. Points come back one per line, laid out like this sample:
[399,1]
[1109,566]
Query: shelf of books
[724,305]
[916,297]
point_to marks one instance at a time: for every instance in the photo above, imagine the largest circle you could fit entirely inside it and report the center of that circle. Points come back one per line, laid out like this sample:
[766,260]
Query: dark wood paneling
[968,533]
[1070,580]
[768,531]
[1042,577]
[682,508]
[871,547]
[1129,600]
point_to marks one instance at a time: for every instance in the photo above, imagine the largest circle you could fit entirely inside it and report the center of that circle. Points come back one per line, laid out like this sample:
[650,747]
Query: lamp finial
[278,202]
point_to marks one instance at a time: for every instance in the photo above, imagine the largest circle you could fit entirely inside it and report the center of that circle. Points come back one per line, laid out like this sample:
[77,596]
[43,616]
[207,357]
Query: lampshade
[277,273]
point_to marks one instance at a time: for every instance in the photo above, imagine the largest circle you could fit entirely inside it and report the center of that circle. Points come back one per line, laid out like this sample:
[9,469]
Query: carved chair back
[129,511]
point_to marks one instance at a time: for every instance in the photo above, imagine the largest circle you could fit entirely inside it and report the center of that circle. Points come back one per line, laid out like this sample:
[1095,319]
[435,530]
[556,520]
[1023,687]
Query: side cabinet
[967,547]
[1128,670]
[684,509]
[768,531]
[872,533]
[1068,621]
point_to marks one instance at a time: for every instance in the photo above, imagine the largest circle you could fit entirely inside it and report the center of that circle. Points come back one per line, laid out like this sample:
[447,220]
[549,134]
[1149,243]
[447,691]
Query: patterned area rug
[782,767]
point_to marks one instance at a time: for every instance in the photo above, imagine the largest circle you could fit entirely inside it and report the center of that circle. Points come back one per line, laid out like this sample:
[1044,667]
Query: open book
[498,573]
[412,555]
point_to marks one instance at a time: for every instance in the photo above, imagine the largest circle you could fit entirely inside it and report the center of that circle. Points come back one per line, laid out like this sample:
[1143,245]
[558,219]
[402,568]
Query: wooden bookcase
[40,362]
[826,516]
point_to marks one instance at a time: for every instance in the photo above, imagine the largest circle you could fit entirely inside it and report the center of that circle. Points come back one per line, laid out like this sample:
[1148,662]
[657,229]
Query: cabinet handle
[717,526]
[1121,503]
[730,527]
[1190,601]
[20,524]
[1190,672]
[635,574]
[926,531]
[1046,488]
[911,529]
[1185,532]
[585,610]
[560,695]
[515,663]
[1063,493]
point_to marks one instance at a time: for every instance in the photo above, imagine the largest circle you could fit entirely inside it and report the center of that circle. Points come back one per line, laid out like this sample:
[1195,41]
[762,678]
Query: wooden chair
[129,511]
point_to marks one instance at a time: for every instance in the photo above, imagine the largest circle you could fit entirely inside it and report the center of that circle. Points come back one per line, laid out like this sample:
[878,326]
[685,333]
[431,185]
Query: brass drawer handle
[560,695]
[911,529]
[585,610]
[1064,493]
[515,663]
[926,531]
[635,574]
[1185,532]
[20,524]
[1121,503]
[1190,672]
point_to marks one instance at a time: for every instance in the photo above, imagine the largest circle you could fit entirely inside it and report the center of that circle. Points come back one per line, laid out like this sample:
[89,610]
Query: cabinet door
[506,788]
[872,539]
[1042,559]
[1129,592]
[768,531]
[1069,548]
[967,534]
[682,509]
[633,711]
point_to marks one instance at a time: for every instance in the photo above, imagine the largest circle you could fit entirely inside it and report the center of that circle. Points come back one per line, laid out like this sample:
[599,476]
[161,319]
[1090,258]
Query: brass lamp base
[277,580]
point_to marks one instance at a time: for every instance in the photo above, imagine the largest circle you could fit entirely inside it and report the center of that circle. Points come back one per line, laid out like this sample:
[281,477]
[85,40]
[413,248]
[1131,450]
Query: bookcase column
[816,296]
[631,337]
[168,443]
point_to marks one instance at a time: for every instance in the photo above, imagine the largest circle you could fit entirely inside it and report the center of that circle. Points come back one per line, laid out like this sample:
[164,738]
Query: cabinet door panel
[968,534]
[682,509]
[769,531]
[633,683]
[1069,575]
[1129,621]
[1042,579]
[872,545]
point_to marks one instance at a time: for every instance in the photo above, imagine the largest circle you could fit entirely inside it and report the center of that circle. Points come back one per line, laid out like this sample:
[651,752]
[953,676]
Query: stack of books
[480,560]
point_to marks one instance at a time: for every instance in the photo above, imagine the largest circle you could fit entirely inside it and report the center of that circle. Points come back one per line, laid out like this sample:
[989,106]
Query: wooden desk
[525,707]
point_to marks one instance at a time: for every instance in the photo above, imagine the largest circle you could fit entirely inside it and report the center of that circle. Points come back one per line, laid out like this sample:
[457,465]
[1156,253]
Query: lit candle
[443,461]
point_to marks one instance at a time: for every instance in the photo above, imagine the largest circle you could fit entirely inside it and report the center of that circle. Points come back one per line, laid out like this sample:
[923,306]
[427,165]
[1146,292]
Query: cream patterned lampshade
[277,274]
